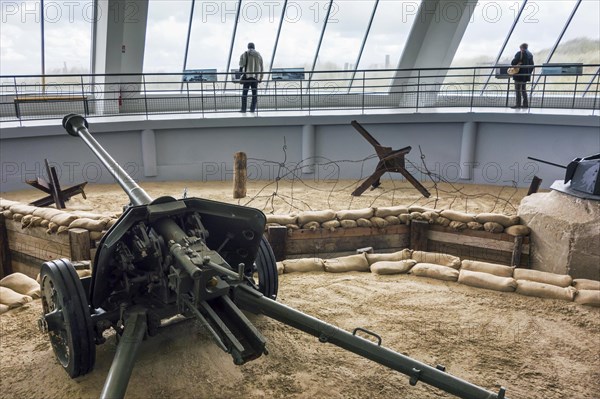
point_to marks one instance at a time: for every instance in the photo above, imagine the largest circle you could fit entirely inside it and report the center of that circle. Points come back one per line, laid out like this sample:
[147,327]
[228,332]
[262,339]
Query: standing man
[252,64]
[522,59]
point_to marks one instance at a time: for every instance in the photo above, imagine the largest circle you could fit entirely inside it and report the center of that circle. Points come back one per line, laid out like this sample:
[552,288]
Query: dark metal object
[536,182]
[389,161]
[156,262]
[582,176]
[57,195]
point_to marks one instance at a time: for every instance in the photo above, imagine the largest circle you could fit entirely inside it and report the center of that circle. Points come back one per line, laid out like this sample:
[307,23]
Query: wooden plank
[321,246]
[240,174]
[37,247]
[37,231]
[418,235]
[5,261]
[517,250]
[26,264]
[79,242]
[277,236]
[478,233]
[475,253]
[480,242]
[306,234]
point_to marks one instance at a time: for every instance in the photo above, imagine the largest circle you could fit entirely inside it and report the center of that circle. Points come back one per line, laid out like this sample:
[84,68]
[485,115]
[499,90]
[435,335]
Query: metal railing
[25,97]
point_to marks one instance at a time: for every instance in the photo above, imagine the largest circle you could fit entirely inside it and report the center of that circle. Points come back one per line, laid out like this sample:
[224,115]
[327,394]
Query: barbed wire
[293,172]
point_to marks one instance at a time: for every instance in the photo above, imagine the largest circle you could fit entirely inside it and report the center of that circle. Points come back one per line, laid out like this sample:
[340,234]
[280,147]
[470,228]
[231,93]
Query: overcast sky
[68,32]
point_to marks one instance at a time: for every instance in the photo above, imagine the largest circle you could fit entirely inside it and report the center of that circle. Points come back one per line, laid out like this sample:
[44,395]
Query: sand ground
[536,348]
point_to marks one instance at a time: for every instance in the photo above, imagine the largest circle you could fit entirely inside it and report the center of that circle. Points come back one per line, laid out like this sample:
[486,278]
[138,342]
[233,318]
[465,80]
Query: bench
[47,99]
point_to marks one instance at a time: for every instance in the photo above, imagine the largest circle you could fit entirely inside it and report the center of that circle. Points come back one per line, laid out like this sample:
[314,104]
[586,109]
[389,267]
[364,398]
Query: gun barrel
[77,125]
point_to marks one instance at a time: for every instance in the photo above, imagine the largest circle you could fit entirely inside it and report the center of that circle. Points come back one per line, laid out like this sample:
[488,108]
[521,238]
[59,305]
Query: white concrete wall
[202,149]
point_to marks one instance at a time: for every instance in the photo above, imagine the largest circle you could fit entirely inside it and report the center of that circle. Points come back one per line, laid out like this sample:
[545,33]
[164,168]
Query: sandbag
[458,216]
[348,224]
[44,223]
[7,214]
[96,235]
[62,229]
[456,225]
[435,271]
[13,299]
[292,227]
[36,221]
[26,221]
[355,214]
[6,204]
[421,209]
[3,308]
[312,226]
[89,224]
[331,224]
[280,268]
[416,216]
[364,223]
[22,284]
[111,223]
[493,227]
[282,219]
[442,221]
[390,211]
[588,297]
[541,290]
[315,216]
[404,218]
[352,263]
[303,265]
[17,217]
[560,280]
[392,220]
[585,284]
[436,258]
[389,257]
[63,219]
[518,230]
[475,226]
[82,273]
[47,213]
[23,209]
[504,220]
[379,222]
[487,281]
[88,215]
[430,216]
[486,267]
[52,228]
[388,267]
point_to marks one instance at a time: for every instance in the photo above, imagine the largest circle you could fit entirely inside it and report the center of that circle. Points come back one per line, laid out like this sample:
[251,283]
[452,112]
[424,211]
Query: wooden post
[516,255]
[535,185]
[5,261]
[418,235]
[240,175]
[277,236]
[79,241]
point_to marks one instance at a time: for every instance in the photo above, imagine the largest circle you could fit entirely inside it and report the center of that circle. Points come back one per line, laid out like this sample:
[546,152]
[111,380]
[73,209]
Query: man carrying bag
[521,73]
[251,63]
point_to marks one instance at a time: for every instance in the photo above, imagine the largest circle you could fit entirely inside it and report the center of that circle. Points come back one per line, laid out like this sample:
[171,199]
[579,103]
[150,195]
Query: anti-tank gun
[194,258]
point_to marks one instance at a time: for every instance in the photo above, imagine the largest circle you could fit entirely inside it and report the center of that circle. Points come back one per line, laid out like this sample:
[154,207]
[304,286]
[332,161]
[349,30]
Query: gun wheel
[266,267]
[67,317]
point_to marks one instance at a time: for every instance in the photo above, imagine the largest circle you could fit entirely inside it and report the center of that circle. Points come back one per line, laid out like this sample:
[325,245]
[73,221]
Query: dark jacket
[525,58]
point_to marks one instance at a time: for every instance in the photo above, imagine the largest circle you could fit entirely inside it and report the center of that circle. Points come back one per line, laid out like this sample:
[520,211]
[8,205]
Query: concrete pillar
[432,42]
[149,153]
[308,149]
[120,37]
[467,150]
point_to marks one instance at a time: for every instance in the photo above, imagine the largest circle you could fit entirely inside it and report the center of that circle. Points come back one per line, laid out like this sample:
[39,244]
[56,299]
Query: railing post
[543,92]
[473,89]
[17,113]
[145,95]
[85,108]
[575,91]
[418,88]
[363,91]
[202,98]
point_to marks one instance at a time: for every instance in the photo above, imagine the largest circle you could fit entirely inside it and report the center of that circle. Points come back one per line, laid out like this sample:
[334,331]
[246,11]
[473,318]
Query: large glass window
[20,38]
[386,40]
[539,25]
[344,33]
[300,32]
[212,30]
[486,32]
[166,35]
[258,23]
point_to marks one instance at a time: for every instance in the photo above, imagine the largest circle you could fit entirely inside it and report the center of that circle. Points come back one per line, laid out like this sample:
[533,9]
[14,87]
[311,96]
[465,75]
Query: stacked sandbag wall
[382,217]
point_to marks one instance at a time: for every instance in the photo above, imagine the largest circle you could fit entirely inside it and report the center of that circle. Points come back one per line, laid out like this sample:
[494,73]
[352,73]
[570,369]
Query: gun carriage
[194,258]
